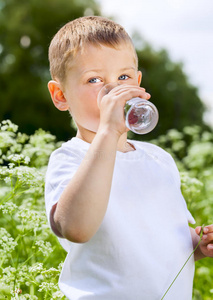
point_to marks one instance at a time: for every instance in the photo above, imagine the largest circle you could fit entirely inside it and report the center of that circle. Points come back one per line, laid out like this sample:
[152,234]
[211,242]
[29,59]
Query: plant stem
[201,234]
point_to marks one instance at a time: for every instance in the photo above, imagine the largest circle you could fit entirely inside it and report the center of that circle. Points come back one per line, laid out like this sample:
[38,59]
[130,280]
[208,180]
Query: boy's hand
[112,105]
[206,244]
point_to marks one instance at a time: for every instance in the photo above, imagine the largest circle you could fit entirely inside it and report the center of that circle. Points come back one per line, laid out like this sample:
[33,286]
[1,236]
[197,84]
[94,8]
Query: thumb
[198,230]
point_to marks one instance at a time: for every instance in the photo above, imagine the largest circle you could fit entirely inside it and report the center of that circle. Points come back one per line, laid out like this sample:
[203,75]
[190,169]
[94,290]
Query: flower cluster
[7,243]
[30,255]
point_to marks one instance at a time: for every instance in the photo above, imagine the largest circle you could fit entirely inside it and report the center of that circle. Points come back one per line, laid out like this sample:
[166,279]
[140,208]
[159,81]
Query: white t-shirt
[144,238]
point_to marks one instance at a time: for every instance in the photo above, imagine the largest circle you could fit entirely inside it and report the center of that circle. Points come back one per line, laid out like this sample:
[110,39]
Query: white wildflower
[174,134]
[7,243]
[27,160]
[45,286]
[36,268]
[7,139]
[11,165]
[44,247]
[8,207]
[51,273]
[22,138]
[57,295]
[191,187]
[7,180]
[7,125]
[16,158]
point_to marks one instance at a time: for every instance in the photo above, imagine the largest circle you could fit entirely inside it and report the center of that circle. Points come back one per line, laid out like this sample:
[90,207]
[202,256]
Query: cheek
[92,108]
[88,112]
[84,109]
[89,101]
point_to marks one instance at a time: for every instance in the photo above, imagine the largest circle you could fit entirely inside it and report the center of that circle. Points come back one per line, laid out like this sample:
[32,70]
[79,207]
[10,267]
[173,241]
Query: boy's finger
[198,229]
[210,247]
[208,228]
[207,238]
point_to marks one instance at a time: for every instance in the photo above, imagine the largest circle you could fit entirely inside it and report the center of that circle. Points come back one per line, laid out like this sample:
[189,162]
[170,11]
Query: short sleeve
[190,218]
[62,166]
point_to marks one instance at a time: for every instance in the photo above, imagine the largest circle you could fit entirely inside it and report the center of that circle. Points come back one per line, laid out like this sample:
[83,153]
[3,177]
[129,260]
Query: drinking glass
[141,115]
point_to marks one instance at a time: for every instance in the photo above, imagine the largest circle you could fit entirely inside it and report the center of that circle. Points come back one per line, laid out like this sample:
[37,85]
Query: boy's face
[89,72]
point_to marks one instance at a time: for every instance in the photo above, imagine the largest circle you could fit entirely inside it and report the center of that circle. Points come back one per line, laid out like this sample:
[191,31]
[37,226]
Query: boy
[115,204]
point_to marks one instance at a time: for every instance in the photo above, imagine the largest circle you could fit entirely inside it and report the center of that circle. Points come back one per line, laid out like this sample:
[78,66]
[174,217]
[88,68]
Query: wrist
[107,132]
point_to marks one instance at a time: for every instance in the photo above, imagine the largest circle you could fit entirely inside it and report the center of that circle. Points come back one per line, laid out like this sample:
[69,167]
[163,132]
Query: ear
[57,95]
[139,77]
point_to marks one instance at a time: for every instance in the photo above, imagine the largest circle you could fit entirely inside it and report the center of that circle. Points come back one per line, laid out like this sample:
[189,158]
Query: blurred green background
[26,29]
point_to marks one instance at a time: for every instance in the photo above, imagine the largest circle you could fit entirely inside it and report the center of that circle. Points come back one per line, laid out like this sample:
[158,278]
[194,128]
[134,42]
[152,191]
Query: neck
[85,135]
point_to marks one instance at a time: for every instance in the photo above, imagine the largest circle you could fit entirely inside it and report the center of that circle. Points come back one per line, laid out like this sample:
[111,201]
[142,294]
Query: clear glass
[141,115]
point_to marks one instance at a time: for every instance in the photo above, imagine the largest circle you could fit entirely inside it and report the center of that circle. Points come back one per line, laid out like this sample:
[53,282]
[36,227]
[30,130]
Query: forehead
[103,55]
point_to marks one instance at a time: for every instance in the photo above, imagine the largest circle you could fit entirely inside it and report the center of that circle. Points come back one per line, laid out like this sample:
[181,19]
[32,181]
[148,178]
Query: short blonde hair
[75,35]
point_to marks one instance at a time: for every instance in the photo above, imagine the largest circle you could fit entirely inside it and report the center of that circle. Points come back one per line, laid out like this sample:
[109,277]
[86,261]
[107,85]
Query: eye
[94,80]
[123,77]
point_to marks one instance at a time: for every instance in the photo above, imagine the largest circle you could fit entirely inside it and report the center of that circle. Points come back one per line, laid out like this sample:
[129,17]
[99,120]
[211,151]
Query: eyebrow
[128,68]
[99,70]
[93,70]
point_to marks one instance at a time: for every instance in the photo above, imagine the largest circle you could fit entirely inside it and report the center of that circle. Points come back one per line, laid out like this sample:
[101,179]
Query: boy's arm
[83,203]
[205,248]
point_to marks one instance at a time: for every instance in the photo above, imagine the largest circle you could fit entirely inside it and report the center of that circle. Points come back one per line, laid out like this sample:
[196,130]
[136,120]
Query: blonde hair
[75,35]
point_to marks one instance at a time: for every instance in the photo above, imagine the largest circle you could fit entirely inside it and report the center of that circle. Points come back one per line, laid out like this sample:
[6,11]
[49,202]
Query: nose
[105,90]
[108,87]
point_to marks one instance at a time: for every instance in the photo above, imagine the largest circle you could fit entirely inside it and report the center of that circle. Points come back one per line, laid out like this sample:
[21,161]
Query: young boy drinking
[115,204]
